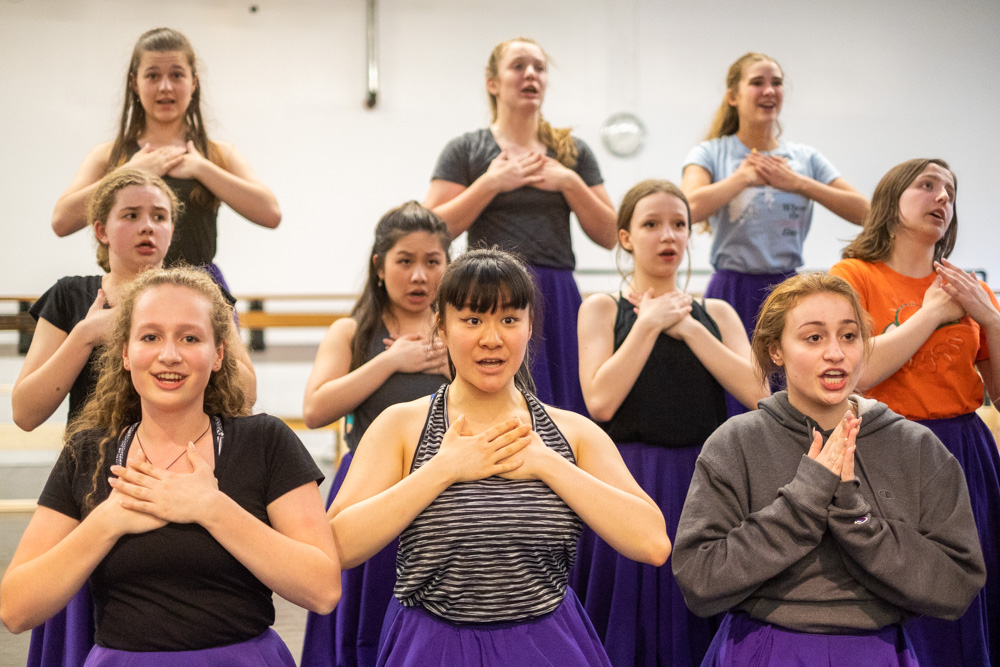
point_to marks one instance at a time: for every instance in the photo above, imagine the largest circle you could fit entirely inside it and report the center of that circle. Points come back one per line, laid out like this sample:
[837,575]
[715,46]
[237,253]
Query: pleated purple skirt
[638,610]
[349,636]
[973,639]
[266,650]
[555,363]
[65,639]
[745,642]
[412,637]
[746,293]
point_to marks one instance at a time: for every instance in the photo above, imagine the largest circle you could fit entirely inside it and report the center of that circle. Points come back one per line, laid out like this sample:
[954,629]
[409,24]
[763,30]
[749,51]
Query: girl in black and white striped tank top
[488,550]
[486,488]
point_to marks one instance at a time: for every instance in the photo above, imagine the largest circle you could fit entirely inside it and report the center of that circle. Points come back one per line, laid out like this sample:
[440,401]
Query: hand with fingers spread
[466,456]
[839,447]
[413,353]
[939,301]
[533,459]
[170,496]
[159,161]
[555,175]
[510,173]
[966,290]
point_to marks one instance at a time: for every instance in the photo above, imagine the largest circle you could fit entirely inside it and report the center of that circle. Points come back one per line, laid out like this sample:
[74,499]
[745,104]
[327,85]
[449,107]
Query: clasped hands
[761,169]
[837,455]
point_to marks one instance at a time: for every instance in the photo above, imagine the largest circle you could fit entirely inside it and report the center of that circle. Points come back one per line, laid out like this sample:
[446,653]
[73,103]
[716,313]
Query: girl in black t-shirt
[183,513]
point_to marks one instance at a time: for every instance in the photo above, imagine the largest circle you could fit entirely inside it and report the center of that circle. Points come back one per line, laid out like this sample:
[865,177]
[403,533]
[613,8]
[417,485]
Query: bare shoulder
[599,304]
[574,426]
[718,308]
[403,416]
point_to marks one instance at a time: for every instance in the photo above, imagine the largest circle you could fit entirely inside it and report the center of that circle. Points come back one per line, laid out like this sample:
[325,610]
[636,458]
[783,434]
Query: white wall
[869,83]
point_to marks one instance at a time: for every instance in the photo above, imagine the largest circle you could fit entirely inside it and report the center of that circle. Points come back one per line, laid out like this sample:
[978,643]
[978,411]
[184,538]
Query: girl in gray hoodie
[824,520]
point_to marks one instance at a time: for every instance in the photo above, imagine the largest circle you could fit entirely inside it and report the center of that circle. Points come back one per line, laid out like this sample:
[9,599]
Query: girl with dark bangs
[487,489]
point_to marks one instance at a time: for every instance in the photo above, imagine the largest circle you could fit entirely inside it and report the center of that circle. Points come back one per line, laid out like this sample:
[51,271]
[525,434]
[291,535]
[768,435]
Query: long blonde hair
[559,139]
[115,404]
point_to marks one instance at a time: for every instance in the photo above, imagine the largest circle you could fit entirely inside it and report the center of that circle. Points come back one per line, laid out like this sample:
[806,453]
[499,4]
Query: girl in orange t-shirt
[931,362]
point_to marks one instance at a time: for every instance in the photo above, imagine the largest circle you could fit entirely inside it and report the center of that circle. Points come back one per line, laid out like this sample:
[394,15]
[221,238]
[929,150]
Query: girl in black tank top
[653,366]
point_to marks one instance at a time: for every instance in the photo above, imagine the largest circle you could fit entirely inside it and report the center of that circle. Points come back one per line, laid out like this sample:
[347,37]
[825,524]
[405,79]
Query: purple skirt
[973,639]
[412,637]
[266,650]
[745,642]
[555,364]
[746,293]
[637,609]
[349,636]
[65,639]
[215,272]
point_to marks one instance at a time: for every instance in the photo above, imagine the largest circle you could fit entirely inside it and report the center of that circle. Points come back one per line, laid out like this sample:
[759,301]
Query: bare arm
[727,360]
[607,375]
[236,185]
[894,348]
[459,206]
[333,389]
[57,554]
[70,213]
[706,197]
[593,208]
[599,488]
[838,195]
[53,362]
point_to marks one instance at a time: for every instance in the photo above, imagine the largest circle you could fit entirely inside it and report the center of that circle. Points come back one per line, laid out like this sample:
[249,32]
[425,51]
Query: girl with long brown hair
[384,354]
[162,131]
[937,351]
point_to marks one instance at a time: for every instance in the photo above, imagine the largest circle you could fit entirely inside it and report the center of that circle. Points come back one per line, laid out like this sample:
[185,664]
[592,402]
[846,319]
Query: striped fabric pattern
[488,551]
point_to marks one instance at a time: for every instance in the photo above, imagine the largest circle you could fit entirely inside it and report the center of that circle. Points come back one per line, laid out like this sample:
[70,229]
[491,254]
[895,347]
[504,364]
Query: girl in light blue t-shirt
[756,191]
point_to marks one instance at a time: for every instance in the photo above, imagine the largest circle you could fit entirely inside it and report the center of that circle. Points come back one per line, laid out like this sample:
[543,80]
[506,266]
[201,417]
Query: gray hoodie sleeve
[723,552]
[933,567]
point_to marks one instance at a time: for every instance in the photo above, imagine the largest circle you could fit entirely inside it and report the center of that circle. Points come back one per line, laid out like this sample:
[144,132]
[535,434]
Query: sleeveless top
[675,401]
[399,388]
[491,550]
[195,231]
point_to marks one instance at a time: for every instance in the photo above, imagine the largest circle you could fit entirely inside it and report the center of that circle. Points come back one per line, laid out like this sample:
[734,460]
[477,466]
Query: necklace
[194,442]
